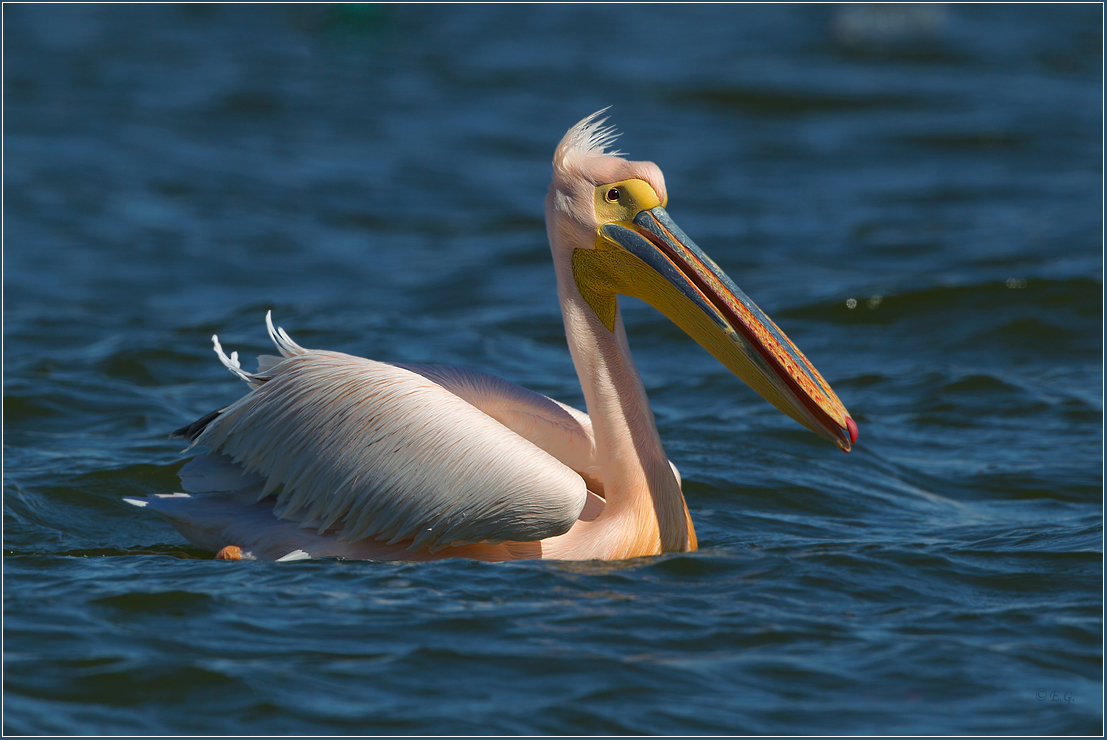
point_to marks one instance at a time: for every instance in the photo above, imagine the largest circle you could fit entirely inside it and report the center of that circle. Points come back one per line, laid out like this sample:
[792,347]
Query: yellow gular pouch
[604,272]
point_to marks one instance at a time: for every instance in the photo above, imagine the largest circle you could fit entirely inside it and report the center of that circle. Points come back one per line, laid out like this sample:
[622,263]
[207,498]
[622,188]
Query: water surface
[913,194]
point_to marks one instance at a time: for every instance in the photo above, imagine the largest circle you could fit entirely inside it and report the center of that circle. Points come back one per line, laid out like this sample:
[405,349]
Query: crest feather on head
[588,138]
[584,160]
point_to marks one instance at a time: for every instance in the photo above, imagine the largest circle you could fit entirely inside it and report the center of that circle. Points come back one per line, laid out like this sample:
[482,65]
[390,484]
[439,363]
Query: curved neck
[644,511]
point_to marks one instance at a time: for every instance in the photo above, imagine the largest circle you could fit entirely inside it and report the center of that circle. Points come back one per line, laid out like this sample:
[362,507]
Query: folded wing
[393,453]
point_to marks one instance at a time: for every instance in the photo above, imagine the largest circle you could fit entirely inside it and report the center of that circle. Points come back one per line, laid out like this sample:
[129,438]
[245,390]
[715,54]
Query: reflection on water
[886,24]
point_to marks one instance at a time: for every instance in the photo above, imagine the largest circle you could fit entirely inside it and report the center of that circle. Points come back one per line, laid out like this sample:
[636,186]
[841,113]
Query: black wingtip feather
[193,430]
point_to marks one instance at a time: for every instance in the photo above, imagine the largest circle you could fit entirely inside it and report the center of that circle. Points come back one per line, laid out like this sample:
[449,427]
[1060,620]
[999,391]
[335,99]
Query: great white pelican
[330,455]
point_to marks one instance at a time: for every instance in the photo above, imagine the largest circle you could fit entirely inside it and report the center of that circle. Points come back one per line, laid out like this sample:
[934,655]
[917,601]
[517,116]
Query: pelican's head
[606,217]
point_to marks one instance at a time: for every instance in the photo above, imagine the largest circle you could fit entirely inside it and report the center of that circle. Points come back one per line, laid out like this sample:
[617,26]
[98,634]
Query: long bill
[650,258]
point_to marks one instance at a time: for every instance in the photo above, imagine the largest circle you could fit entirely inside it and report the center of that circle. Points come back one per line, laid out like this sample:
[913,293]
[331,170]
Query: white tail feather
[232,363]
[284,343]
[266,363]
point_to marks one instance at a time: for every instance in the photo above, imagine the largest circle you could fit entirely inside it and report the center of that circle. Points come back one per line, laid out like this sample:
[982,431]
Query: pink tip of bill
[851,427]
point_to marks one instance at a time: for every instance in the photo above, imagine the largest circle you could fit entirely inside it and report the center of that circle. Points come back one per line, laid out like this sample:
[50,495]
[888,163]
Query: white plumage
[371,450]
[335,455]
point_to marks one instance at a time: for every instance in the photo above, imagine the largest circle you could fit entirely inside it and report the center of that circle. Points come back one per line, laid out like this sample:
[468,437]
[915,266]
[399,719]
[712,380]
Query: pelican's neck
[644,511]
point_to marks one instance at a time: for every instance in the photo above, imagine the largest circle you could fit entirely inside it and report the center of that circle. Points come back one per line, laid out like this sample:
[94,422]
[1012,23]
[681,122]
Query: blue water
[914,194]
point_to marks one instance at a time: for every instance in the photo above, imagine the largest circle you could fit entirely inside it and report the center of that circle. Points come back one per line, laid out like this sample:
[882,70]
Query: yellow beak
[650,258]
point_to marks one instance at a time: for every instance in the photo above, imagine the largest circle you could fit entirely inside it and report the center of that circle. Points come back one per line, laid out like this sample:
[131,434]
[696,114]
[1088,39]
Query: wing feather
[560,430]
[388,453]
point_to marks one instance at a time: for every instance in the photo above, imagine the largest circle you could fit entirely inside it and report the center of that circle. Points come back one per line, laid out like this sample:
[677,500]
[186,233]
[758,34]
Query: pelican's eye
[622,200]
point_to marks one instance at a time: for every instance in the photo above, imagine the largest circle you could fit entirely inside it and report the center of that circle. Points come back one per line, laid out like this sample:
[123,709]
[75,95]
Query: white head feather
[582,162]
[588,138]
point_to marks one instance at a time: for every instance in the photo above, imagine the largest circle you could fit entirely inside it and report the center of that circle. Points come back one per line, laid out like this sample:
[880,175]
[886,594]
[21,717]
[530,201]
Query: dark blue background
[375,175]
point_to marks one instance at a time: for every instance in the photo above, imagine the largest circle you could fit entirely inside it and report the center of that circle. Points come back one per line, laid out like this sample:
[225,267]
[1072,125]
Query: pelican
[330,455]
